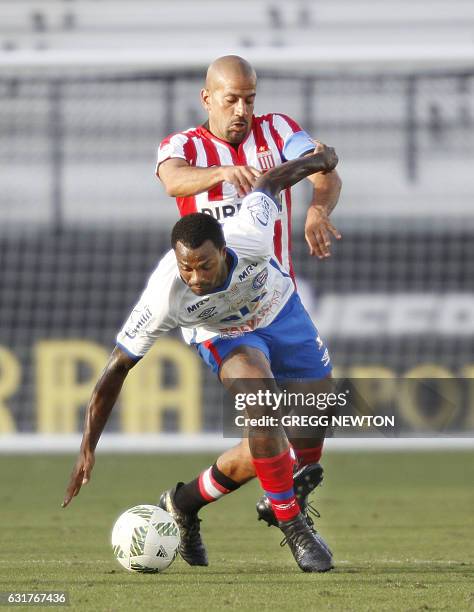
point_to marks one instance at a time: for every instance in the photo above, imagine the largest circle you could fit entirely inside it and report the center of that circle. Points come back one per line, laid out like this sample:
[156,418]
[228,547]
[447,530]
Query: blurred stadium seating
[103,24]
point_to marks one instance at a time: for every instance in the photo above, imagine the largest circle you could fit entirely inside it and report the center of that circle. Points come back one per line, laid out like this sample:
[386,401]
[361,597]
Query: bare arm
[326,190]
[318,228]
[323,160]
[181,180]
[98,411]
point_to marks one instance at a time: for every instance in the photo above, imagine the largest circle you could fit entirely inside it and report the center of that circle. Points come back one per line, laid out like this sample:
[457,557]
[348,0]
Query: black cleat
[305,481]
[191,547]
[309,553]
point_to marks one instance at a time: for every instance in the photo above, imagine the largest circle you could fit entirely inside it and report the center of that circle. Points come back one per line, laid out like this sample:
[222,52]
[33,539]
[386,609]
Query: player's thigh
[315,386]
[245,362]
[246,370]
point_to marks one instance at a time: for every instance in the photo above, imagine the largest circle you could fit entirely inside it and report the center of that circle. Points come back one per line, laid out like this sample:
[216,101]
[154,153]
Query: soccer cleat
[191,547]
[305,480]
[309,553]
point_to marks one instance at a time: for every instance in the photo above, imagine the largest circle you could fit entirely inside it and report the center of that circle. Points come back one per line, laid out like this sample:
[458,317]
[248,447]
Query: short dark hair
[194,229]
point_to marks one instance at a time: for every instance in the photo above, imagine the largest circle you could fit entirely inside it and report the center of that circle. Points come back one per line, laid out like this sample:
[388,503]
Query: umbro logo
[208,312]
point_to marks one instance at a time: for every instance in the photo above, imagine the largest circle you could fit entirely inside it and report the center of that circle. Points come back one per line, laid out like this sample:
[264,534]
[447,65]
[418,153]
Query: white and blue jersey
[257,290]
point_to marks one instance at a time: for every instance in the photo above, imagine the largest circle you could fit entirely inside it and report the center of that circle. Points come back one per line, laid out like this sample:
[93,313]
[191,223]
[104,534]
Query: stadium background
[83,220]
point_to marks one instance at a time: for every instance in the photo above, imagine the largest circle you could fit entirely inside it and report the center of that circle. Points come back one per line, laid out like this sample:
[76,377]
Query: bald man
[210,169]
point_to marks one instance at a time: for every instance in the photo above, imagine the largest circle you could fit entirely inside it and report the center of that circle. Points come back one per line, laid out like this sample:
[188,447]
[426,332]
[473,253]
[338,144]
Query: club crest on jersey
[260,279]
[265,159]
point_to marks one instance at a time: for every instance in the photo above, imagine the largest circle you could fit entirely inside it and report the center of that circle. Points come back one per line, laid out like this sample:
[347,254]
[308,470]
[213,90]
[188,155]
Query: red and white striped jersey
[262,148]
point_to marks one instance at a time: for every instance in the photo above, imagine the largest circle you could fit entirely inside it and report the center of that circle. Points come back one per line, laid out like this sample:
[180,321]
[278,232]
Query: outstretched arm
[100,406]
[290,173]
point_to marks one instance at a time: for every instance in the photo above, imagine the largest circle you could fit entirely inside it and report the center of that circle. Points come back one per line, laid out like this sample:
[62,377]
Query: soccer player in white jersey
[250,327]
[210,168]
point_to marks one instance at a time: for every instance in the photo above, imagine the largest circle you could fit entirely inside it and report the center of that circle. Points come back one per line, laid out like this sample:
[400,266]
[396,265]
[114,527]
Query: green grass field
[401,527]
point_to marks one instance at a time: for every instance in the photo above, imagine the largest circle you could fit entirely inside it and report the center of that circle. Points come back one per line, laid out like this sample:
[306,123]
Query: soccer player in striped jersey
[250,328]
[209,169]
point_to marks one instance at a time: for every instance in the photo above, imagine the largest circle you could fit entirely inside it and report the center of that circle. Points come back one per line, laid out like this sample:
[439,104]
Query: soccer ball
[145,539]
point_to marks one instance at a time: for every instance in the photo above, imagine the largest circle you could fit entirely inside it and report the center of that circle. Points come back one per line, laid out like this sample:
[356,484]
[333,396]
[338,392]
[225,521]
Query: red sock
[305,456]
[276,477]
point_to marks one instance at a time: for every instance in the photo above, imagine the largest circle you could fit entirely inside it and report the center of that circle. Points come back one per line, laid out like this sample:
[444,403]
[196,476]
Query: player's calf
[305,480]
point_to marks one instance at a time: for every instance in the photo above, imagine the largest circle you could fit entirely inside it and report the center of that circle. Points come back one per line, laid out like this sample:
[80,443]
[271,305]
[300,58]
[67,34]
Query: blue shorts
[291,344]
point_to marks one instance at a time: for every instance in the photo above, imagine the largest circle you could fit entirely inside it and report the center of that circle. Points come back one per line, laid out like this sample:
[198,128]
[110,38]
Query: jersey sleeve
[251,230]
[177,145]
[292,140]
[154,313]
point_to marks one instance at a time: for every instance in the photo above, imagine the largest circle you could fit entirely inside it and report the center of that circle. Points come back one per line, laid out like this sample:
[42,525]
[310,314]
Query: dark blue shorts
[291,344]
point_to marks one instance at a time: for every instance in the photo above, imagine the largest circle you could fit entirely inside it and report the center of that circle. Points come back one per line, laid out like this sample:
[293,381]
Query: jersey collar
[235,152]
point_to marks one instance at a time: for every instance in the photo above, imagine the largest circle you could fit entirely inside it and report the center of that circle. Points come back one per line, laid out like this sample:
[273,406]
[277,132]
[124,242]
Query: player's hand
[318,232]
[328,155]
[80,475]
[241,177]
